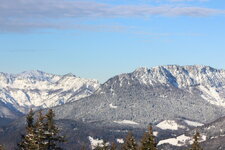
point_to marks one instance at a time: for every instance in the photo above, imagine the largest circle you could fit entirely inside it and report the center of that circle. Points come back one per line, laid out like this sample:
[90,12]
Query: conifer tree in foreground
[51,132]
[130,143]
[148,140]
[28,141]
[196,145]
[41,135]
[40,131]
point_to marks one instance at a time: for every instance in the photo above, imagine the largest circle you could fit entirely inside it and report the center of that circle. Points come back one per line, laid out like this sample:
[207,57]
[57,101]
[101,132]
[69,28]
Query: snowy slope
[39,89]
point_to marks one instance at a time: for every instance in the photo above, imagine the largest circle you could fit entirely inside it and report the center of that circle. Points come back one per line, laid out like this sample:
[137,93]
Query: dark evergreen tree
[53,139]
[40,132]
[196,145]
[130,143]
[42,135]
[148,140]
[28,141]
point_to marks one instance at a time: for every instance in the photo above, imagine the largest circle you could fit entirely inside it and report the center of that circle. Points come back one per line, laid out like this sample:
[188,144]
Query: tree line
[43,134]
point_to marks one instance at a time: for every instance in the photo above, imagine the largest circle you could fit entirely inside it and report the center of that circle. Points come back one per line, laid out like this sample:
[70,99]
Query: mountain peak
[142,69]
[69,75]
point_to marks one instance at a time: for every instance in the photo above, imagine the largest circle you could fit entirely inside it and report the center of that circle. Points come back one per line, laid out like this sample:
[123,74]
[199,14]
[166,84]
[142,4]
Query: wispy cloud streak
[33,14]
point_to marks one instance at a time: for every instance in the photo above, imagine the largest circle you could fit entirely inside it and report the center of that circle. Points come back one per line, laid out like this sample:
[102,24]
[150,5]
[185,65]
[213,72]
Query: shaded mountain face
[152,95]
[36,89]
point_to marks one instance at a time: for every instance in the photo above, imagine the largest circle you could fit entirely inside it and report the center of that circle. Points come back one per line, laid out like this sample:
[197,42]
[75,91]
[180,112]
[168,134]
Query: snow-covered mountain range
[174,99]
[37,89]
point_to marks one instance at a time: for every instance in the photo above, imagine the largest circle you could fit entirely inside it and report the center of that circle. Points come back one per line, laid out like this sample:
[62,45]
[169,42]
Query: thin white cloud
[174,1]
[33,14]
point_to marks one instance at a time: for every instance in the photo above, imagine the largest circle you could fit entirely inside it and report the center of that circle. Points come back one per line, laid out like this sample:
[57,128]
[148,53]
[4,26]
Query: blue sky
[102,38]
